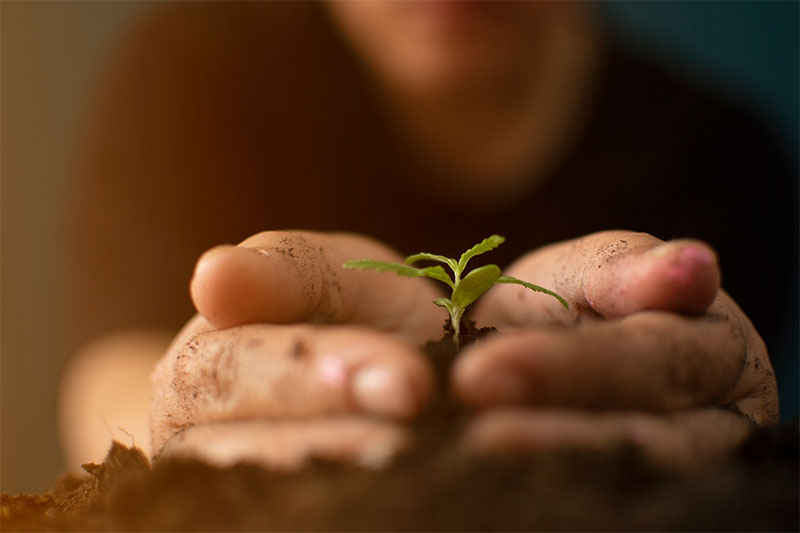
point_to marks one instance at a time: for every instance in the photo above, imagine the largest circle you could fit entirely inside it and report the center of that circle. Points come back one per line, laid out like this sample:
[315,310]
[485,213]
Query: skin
[651,352]
[517,73]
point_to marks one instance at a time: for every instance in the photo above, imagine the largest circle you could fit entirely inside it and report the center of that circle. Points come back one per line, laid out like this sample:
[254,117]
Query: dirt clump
[75,503]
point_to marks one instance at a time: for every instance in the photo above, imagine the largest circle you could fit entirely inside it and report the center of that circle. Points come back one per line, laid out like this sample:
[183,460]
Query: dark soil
[443,352]
[430,488]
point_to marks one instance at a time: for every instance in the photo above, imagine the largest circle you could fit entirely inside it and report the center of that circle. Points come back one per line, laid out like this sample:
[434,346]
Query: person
[386,126]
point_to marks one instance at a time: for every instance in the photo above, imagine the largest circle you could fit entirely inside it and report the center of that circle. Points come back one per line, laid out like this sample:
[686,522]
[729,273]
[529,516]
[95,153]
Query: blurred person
[425,126]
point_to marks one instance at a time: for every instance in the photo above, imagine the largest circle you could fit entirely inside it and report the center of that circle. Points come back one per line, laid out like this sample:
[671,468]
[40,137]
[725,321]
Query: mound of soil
[756,490]
[429,488]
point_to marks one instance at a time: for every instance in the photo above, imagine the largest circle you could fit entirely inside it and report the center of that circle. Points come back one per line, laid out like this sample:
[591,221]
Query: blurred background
[53,56]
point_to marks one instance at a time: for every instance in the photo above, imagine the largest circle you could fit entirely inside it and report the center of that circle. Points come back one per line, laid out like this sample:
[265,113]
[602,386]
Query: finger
[105,386]
[609,274]
[756,393]
[286,371]
[653,360]
[286,277]
[290,444]
[685,440]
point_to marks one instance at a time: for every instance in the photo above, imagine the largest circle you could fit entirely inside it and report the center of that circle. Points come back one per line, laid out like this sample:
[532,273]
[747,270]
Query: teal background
[749,49]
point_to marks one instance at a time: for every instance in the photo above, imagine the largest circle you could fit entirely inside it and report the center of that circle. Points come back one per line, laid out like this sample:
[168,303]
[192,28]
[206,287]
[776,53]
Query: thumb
[292,276]
[680,276]
[609,274]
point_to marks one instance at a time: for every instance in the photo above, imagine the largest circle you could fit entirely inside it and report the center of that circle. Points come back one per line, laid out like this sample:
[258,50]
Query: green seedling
[466,289]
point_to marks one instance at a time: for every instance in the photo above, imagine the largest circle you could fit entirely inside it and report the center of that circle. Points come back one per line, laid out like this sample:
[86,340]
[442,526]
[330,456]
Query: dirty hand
[651,352]
[262,374]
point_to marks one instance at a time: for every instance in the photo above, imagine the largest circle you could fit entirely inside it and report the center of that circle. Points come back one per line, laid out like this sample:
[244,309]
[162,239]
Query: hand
[651,352]
[261,374]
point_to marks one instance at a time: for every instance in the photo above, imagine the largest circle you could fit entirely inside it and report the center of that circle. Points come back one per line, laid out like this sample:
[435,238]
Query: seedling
[466,289]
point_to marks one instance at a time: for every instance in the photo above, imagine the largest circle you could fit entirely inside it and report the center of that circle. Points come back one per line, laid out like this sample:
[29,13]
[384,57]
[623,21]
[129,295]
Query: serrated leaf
[411,259]
[475,284]
[531,286]
[487,244]
[444,302]
[435,272]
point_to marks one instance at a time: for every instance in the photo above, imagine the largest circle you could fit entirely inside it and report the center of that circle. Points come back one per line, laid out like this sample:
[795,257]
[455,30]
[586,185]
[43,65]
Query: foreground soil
[755,490]
[430,488]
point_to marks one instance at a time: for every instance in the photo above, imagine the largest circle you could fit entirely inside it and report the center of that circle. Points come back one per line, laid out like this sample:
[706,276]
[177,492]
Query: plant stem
[455,321]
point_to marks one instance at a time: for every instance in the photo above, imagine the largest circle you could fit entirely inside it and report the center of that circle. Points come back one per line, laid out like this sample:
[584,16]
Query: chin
[442,45]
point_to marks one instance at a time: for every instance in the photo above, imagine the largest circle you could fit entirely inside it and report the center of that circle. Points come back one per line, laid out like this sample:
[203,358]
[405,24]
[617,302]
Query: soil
[430,488]
[443,352]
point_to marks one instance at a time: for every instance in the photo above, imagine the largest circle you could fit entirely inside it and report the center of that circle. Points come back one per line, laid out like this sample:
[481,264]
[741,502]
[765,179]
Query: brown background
[52,55]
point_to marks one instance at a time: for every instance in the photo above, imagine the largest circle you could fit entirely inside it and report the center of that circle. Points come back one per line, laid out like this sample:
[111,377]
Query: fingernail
[257,251]
[689,253]
[684,260]
[662,249]
[384,391]
[697,255]
[216,250]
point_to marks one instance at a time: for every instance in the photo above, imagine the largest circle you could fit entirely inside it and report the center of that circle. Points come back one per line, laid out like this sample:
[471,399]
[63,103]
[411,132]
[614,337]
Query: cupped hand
[292,356]
[652,352]
[289,277]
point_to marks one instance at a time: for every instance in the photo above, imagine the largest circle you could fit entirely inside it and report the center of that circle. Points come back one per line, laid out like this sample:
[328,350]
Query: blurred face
[427,47]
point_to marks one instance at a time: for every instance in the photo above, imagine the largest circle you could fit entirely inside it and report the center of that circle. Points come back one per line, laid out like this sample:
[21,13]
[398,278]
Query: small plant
[466,289]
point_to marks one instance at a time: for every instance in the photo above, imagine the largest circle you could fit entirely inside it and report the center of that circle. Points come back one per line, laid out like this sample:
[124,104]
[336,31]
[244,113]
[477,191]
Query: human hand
[262,374]
[652,353]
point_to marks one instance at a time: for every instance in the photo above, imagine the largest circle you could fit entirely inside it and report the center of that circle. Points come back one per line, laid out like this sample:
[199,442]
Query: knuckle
[319,282]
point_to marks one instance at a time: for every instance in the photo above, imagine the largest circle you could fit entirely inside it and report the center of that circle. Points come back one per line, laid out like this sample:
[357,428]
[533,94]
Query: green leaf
[422,256]
[435,272]
[487,244]
[444,302]
[383,266]
[531,286]
[475,284]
